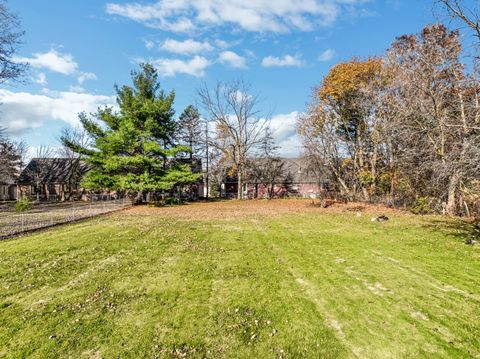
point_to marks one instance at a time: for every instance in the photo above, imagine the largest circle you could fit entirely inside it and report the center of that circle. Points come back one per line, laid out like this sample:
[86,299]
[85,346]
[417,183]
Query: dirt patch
[252,209]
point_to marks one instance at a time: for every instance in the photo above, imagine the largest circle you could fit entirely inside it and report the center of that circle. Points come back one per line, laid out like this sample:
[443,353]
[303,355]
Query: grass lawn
[260,279]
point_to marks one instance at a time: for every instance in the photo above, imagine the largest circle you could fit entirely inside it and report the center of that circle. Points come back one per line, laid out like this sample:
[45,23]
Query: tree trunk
[366,195]
[240,183]
[139,197]
[452,194]
[373,173]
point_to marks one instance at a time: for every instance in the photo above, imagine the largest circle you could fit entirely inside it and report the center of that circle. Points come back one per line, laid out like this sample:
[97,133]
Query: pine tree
[190,130]
[134,149]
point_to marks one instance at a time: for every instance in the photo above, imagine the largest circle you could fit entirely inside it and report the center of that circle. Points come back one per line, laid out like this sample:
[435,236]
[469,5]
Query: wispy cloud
[327,55]
[255,16]
[41,79]
[285,61]
[84,76]
[233,60]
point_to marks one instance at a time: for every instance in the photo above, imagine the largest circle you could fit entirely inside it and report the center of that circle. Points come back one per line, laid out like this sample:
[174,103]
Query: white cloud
[53,61]
[41,79]
[284,130]
[233,60]
[286,61]
[84,76]
[187,47]
[255,16]
[23,111]
[327,55]
[170,67]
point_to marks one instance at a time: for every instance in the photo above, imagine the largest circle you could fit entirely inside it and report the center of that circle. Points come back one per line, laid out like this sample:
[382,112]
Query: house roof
[300,170]
[6,180]
[296,170]
[50,170]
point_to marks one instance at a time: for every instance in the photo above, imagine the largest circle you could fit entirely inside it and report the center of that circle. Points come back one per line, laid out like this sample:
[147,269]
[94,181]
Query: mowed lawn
[258,279]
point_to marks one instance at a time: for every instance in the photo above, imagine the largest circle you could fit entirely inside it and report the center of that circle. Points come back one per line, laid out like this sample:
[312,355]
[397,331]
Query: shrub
[169,201]
[422,205]
[23,205]
[384,183]
[173,201]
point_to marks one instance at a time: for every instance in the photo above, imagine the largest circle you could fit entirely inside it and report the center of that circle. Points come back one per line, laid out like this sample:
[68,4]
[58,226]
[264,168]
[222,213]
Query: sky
[79,49]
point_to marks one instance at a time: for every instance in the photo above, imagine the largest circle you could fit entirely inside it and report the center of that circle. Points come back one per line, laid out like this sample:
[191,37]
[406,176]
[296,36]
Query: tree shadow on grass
[461,229]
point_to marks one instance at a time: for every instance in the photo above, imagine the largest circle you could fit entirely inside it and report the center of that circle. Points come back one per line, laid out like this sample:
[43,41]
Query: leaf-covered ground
[278,279]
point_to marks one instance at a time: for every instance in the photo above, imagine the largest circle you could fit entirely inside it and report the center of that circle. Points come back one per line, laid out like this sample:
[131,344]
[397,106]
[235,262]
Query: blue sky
[79,49]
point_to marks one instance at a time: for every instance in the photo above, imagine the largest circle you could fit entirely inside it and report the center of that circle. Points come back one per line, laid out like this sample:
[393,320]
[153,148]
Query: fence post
[22,217]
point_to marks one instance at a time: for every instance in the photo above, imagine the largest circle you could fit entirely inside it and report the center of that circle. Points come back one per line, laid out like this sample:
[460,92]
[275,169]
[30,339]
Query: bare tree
[437,114]
[239,127]
[39,169]
[324,147]
[11,157]
[267,168]
[75,166]
[470,16]
[10,41]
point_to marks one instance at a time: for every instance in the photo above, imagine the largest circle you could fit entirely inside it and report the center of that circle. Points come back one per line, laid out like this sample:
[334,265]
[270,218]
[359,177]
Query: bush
[422,205]
[23,205]
[173,201]
[169,201]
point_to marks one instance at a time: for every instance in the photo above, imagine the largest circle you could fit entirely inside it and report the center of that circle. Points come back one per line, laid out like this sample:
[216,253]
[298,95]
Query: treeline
[403,128]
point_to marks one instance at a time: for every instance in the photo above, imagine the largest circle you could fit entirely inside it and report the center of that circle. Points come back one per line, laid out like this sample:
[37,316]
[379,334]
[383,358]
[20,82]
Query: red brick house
[56,179]
[300,180]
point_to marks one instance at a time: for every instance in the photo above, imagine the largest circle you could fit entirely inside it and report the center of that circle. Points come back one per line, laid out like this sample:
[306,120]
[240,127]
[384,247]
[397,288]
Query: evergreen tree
[190,130]
[134,149]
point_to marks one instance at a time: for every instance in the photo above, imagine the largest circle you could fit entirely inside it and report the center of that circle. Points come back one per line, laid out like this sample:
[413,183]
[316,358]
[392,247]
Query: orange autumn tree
[346,79]
[343,124]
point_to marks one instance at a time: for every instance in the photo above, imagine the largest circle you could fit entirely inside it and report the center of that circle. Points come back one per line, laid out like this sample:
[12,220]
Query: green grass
[306,285]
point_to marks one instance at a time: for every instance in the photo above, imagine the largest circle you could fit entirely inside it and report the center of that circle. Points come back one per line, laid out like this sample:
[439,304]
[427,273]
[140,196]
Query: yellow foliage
[232,171]
[349,76]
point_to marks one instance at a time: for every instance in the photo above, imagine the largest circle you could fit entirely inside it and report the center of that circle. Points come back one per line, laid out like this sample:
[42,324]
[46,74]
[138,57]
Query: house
[52,179]
[299,179]
[8,189]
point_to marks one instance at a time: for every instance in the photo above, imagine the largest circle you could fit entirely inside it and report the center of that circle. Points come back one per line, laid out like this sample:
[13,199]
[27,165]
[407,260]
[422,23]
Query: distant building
[8,190]
[299,180]
[56,179]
